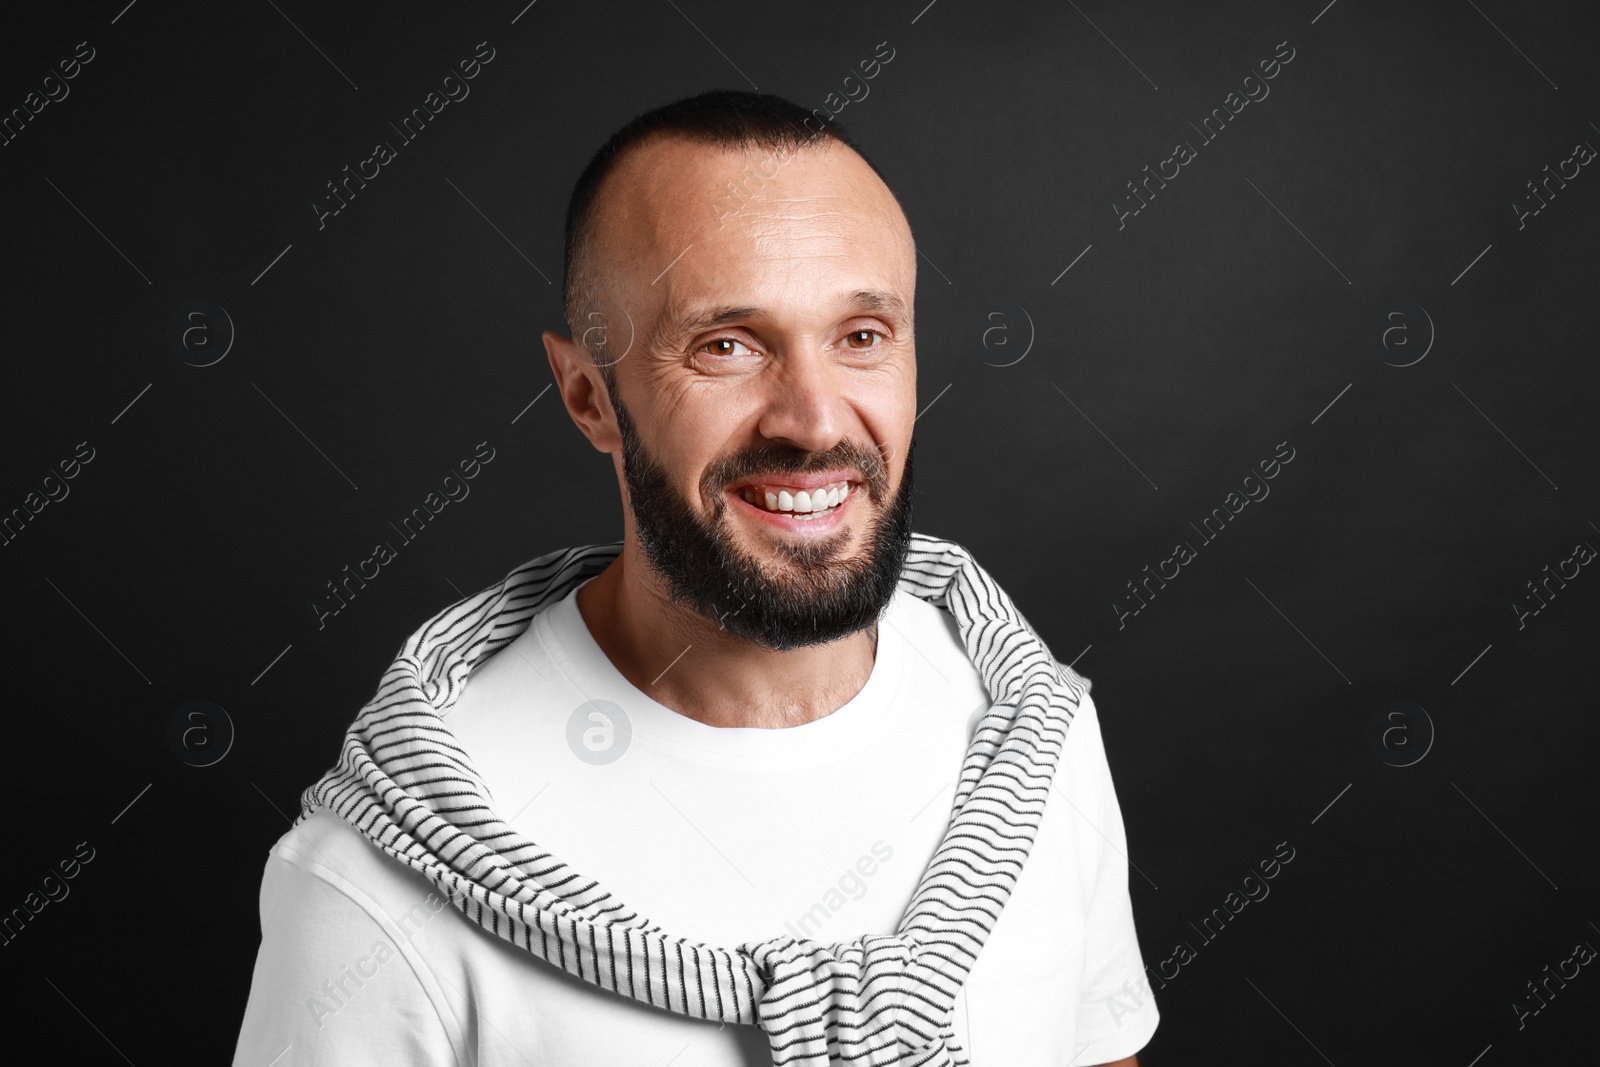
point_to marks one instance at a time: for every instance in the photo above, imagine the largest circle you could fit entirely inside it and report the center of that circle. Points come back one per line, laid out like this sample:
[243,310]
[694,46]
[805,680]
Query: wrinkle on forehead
[671,198]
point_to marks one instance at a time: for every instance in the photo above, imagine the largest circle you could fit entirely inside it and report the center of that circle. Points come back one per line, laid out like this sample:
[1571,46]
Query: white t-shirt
[721,835]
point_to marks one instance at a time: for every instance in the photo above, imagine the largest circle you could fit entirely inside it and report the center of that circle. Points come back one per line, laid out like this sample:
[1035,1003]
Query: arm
[1117,1014]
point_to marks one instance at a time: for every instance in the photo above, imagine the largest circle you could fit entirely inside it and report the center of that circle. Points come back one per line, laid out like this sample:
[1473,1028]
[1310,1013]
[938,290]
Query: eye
[726,346]
[862,338]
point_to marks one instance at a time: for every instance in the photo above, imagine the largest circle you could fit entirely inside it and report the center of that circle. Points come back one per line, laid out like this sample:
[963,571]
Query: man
[774,763]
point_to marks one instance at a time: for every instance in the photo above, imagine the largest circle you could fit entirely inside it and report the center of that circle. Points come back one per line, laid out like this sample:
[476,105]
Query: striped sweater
[405,785]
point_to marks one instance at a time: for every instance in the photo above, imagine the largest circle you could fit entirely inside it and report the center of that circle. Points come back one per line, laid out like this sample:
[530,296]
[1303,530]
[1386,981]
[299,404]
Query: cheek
[889,407]
[682,425]
[899,396]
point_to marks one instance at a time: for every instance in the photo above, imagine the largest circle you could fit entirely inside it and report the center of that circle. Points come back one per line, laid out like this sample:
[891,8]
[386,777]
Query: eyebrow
[862,300]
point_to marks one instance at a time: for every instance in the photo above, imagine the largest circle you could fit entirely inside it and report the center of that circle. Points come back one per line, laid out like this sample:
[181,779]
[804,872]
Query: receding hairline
[581,280]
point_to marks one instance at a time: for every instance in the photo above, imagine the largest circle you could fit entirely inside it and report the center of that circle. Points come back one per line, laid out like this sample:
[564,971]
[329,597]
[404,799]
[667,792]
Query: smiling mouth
[804,505]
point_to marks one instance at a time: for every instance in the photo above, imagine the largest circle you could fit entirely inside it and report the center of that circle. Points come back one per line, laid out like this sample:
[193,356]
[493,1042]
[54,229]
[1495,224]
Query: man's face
[771,371]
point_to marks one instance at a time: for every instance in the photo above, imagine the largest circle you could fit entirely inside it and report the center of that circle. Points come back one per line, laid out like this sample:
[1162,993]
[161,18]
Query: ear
[583,391]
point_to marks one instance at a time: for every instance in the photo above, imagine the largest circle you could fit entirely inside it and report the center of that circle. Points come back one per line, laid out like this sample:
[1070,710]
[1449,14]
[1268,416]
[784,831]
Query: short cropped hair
[724,118]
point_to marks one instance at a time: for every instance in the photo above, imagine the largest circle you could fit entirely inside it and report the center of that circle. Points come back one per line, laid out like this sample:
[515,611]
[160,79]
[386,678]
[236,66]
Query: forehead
[682,225]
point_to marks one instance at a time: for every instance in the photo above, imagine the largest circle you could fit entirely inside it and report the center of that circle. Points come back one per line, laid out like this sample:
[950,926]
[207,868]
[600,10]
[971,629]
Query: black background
[1223,319]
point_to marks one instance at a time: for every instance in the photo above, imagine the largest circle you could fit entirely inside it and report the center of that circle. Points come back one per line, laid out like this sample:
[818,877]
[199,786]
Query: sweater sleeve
[332,985]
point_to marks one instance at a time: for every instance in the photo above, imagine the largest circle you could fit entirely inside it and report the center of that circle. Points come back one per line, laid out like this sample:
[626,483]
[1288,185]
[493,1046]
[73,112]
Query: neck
[685,661]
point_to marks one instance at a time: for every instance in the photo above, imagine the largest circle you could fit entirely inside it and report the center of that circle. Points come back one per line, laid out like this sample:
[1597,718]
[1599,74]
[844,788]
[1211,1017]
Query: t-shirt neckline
[566,638]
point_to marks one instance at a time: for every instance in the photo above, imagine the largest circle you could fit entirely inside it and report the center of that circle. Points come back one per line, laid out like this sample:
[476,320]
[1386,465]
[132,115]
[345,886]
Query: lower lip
[821,524]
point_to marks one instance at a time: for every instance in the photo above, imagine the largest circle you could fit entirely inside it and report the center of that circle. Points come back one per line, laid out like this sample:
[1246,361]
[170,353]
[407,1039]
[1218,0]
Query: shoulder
[323,853]
[338,964]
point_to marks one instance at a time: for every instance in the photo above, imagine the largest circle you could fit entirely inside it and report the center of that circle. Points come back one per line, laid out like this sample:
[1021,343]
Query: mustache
[782,459]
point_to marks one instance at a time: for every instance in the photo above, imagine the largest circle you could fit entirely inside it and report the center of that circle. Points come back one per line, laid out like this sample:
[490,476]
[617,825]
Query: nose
[806,406]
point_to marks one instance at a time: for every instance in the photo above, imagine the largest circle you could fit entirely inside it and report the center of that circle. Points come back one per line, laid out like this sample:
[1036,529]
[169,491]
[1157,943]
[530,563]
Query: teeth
[802,504]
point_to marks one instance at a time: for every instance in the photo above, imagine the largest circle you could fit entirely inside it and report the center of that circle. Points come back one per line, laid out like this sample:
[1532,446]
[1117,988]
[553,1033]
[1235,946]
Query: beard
[817,594]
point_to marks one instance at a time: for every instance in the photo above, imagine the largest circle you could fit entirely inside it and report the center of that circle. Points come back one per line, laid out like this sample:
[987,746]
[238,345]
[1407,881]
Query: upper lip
[797,482]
